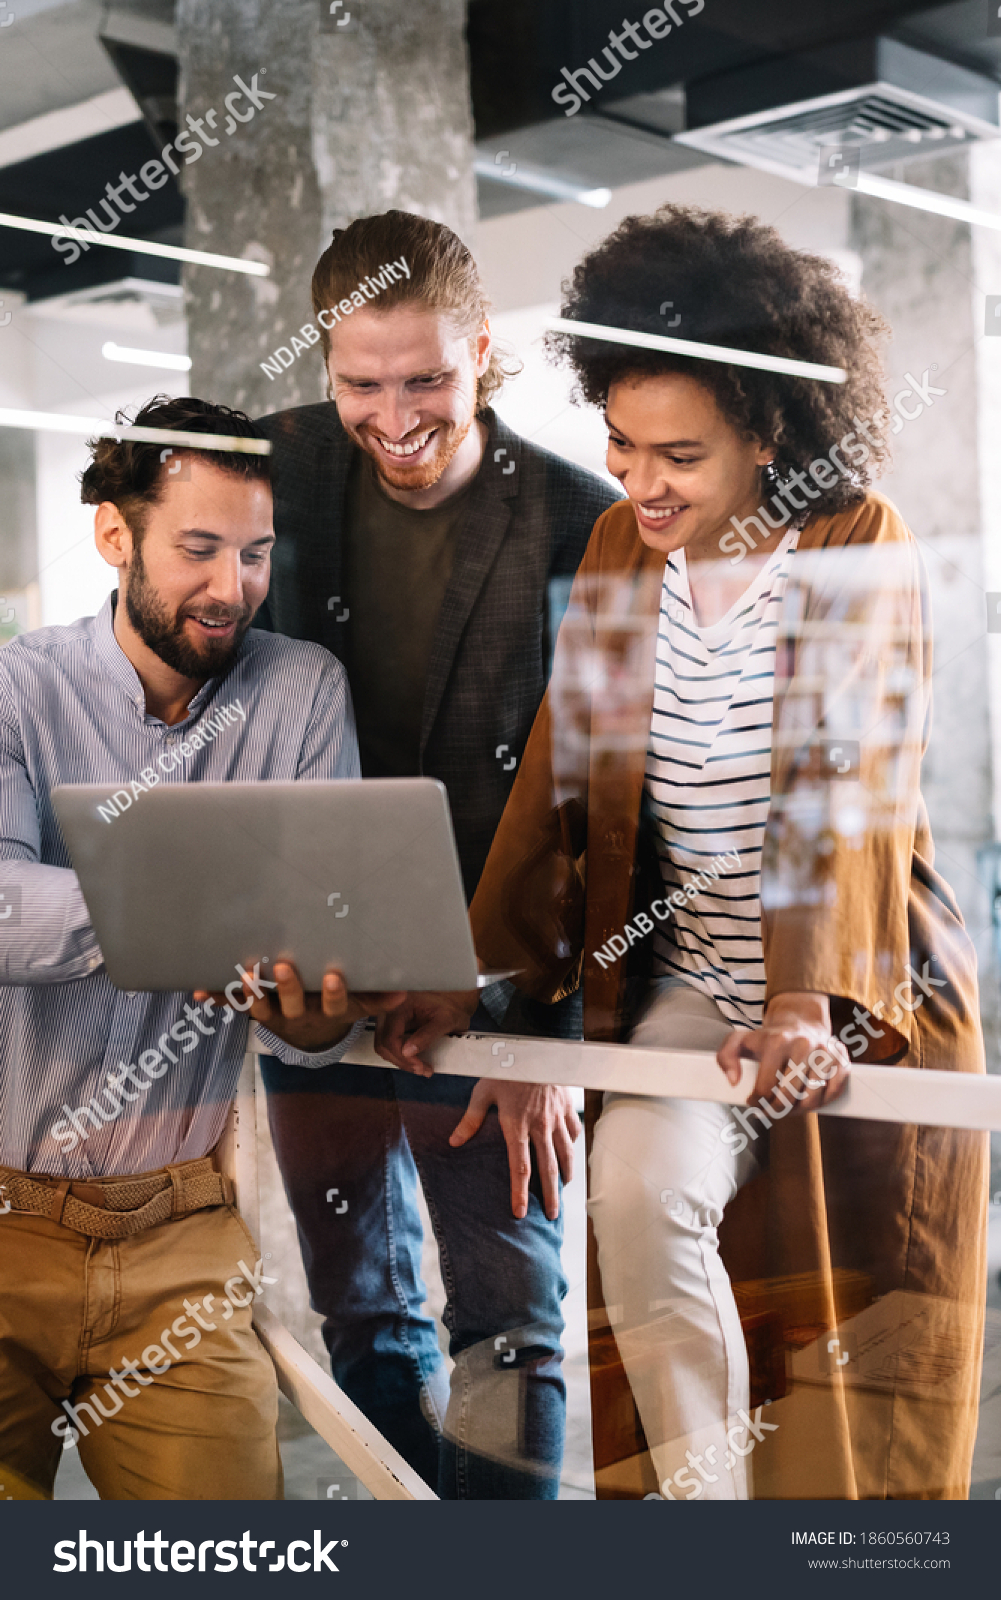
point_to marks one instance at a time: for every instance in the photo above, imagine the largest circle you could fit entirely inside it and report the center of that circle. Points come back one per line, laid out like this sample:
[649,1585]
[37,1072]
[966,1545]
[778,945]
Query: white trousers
[660,1176]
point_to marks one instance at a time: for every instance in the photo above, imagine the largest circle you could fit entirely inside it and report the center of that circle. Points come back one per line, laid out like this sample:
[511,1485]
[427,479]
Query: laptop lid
[187,881]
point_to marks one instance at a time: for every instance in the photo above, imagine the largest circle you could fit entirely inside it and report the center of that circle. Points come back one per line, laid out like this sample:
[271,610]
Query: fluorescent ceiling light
[101,428]
[36,137]
[142,247]
[542,183]
[703,352]
[145,358]
[110,299]
[152,288]
[908,194]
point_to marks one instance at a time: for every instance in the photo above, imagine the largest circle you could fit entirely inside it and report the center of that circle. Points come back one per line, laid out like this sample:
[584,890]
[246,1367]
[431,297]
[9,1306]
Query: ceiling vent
[135,304]
[887,101]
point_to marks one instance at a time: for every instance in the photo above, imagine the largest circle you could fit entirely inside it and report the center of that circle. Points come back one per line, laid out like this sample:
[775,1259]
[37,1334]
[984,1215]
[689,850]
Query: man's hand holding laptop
[309,1021]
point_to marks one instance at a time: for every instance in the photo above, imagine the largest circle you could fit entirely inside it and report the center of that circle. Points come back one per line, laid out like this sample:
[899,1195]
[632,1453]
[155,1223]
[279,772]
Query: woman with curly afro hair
[717,829]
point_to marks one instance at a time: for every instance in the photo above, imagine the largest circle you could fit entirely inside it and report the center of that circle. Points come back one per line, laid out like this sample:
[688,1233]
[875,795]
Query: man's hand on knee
[531,1114]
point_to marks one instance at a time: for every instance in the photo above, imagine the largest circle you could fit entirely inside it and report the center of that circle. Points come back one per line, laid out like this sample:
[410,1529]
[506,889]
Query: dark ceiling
[517,49]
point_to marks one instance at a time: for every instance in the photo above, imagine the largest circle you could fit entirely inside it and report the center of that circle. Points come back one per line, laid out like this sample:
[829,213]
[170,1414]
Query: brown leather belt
[116,1208]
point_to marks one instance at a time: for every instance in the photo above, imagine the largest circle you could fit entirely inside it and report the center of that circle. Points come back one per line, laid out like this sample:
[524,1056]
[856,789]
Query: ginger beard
[403,473]
[164,633]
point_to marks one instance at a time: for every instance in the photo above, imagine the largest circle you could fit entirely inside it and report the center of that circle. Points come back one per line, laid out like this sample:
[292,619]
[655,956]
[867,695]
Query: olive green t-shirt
[397,563]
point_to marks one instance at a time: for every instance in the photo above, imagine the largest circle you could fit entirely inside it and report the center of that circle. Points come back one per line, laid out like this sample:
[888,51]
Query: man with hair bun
[420,539]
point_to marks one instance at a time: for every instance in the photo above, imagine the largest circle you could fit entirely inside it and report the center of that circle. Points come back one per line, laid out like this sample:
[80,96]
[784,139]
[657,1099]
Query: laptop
[187,881]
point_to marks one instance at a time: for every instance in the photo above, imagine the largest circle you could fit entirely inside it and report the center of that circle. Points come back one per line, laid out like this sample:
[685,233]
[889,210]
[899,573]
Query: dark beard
[164,635]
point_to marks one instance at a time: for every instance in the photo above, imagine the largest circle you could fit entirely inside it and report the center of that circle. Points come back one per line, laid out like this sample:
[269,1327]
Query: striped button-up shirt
[73,710]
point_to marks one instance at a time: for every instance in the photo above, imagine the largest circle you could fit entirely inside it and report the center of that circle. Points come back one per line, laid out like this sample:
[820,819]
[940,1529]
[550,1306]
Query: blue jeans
[496,1431]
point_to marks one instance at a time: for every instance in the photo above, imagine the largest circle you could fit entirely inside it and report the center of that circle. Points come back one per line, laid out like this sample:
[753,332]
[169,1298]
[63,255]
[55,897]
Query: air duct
[881,98]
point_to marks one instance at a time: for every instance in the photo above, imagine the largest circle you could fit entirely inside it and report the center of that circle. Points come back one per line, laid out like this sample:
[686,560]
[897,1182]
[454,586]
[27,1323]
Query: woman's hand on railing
[402,1034]
[797,1055]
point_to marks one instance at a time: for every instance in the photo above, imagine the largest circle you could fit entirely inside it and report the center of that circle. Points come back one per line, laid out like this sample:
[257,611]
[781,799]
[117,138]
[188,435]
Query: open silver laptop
[187,881]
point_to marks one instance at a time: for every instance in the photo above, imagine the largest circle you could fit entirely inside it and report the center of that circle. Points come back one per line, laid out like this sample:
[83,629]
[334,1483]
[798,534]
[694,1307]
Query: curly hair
[733,281]
[133,473]
[442,276]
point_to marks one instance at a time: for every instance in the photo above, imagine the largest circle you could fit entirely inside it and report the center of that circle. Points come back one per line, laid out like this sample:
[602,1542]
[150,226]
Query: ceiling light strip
[908,194]
[542,183]
[145,358]
[54,130]
[99,427]
[142,247]
[702,352]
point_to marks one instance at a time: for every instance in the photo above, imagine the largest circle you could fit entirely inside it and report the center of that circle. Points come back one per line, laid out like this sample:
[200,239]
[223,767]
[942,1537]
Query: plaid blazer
[527,524]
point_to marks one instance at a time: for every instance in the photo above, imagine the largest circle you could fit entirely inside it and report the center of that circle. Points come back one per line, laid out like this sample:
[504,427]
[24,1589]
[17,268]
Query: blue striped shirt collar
[121,671]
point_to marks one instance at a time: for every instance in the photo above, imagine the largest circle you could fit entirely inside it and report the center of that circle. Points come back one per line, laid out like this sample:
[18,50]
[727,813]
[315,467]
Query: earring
[772,477]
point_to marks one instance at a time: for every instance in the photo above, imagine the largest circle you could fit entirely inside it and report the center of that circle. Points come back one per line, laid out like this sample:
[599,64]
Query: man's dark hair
[733,281]
[132,474]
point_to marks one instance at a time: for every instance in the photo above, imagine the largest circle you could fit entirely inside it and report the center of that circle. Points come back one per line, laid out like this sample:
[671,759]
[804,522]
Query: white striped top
[708,780]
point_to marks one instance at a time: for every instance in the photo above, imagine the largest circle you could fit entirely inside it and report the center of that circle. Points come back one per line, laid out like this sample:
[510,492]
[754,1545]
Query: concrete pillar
[365,117]
[928,275]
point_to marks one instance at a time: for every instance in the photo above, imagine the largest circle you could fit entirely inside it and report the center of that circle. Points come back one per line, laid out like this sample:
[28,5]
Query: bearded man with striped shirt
[117,1227]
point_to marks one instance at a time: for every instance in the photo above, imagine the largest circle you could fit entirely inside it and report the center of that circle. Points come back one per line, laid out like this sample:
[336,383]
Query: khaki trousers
[188,1418]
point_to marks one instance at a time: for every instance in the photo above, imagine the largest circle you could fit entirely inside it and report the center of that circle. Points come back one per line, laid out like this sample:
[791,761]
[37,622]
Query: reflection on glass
[732,750]
[710,834]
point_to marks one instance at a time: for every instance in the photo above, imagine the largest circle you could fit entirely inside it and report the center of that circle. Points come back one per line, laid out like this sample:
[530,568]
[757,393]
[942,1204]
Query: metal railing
[879,1094]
